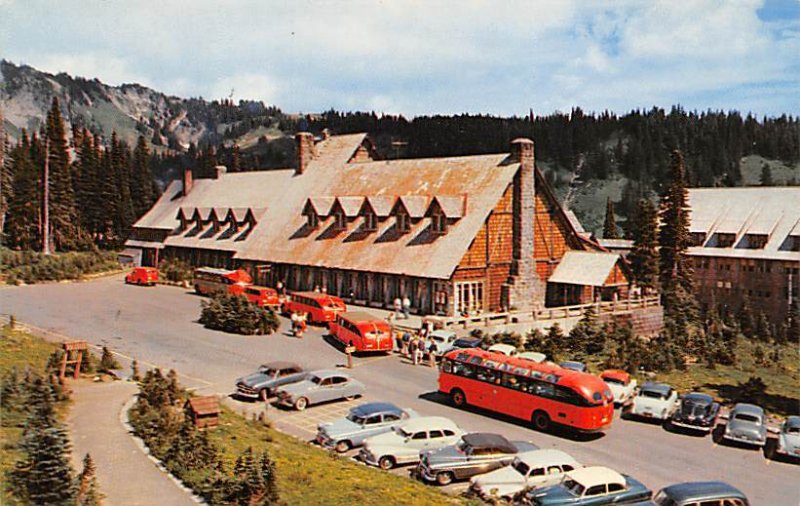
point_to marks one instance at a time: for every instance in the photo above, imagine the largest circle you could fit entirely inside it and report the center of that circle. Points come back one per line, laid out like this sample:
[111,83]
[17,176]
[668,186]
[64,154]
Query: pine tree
[793,332]
[88,493]
[763,332]
[135,371]
[610,230]
[268,476]
[121,167]
[107,199]
[142,182]
[675,268]
[24,209]
[107,361]
[236,159]
[63,213]
[6,179]
[644,254]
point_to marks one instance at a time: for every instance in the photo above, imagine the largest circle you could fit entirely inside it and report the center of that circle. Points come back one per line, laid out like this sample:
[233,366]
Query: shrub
[236,315]
[107,361]
[32,267]
[175,270]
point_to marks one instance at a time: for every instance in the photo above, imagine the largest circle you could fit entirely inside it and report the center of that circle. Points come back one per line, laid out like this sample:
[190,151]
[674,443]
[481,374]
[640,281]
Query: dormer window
[313,220]
[403,222]
[439,223]
[340,222]
[370,221]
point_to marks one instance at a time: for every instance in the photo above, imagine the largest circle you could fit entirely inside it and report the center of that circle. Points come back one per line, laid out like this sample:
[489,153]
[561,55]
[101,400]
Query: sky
[501,57]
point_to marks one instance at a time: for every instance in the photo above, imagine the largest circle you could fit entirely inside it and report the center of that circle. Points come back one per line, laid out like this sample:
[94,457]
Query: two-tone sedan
[655,401]
[537,468]
[697,412]
[320,386]
[747,424]
[788,444]
[591,486]
[621,384]
[263,383]
[404,444]
[363,421]
[476,453]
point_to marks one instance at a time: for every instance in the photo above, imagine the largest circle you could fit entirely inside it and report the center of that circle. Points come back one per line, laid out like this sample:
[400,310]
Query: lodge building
[456,235]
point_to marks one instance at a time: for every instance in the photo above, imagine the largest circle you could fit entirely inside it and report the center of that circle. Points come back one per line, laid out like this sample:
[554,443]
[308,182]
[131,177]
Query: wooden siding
[550,237]
[617,276]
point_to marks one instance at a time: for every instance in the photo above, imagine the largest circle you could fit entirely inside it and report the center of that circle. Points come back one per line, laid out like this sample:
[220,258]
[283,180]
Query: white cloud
[90,65]
[245,86]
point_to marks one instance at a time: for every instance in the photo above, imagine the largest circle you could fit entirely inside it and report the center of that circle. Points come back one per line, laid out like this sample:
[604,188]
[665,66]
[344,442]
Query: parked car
[444,341]
[654,401]
[263,296]
[363,421]
[142,276]
[711,493]
[788,443]
[533,356]
[468,342]
[263,383]
[404,444]
[697,412]
[747,424]
[320,386]
[593,486]
[537,468]
[573,366]
[506,349]
[621,384]
[475,454]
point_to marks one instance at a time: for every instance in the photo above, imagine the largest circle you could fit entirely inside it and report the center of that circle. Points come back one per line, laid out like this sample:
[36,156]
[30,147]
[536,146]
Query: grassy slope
[309,475]
[17,350]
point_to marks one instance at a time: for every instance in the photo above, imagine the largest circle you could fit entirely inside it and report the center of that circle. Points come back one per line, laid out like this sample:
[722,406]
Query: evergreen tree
[88,493]
[143,189]
[610,230]
[763,331]
[766,176]
[63,213]
[6,180]
[268,476]
[107,361]
[644,254]
[674,240]
[23,224]
[236,159]
[121,167]
[108,199]
[793,331]
[747,320]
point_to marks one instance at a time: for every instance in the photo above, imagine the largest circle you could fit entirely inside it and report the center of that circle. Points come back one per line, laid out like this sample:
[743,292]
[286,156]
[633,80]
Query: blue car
[591,486]
[700,492]
[363,421]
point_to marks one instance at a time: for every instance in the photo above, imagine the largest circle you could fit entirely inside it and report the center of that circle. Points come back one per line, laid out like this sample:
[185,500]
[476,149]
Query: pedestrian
[420,351]
[406,307]
[413,348]
[294,318]
[432,349]
[279,287]
[406,343]
[398,341]
[302,323]
[398,307]
[352,297]
[316,289]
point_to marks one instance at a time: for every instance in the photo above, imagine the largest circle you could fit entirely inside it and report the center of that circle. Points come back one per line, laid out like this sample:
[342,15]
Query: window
[370,221]
[567,468]
[615,487]
[403,222]
[439,223]
[539,471]
[339,380]
[420,435]
[436,434]
[449,433]
[313,220]
[341,220]
[596,490]
[373,420]
[553,470]
[390,417]
[469,297]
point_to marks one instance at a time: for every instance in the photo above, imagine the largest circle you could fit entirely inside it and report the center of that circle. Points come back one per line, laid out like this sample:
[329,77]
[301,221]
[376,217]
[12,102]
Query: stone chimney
[326,134]
[187,181]
[523,286]
[219,171]
[304,145]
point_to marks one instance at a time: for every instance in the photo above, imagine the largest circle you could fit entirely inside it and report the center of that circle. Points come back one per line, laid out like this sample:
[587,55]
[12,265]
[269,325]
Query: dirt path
[126,475]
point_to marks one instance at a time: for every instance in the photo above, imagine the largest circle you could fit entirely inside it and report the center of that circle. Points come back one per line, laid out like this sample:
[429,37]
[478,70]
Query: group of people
[402,307]
[417,348]
[299,323]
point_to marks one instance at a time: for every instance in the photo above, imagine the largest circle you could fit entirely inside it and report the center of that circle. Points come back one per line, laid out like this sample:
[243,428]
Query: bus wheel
[541,421]
[458,398]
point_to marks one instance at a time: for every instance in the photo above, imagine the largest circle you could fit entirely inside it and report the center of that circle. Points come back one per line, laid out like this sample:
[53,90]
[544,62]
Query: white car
[621,384]
[443,339]
[533,356]
[505,349]
[404,444]
[655,401]
[537,468]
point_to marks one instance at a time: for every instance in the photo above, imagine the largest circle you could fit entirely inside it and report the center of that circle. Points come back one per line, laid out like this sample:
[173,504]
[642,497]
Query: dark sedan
[697,412]
[468,342]
[700,492]
[476,453]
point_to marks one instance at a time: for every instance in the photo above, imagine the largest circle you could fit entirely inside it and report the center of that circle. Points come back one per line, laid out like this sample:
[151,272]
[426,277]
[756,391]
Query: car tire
[458,398]
[301,404]
[541,421]
[342,446]
[444,479]
[386,462]
[263,394]
[350,397]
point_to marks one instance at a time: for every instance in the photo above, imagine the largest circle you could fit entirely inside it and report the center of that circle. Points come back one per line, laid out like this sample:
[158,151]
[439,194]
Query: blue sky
[427,57]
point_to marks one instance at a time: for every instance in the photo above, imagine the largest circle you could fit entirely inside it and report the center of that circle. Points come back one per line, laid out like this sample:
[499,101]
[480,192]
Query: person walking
[413,348]
[295,321]
[398,307]
[406,307]
[406,344]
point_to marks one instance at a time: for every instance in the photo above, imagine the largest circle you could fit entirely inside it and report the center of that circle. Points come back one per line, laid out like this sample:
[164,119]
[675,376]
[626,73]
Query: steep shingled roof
[589,268]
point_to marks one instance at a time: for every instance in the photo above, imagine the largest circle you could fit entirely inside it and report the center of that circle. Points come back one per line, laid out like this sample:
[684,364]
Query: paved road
[158,326]
[126,476]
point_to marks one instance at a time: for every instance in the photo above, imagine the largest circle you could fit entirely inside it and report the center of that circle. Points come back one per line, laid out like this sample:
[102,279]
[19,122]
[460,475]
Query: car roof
[489,440]
[428,422]
[360,316]
[327,373]
[372,408]
[661,388]
[281,365]
[443,333]
[793,421]
[572,362]
[532,355]
[750,409]
[698,397]
[616,374]
[596,475]
[545,457]
[502,346]
[702,490]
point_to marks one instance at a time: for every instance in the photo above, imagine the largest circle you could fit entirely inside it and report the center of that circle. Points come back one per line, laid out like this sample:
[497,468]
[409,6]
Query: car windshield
[315,379]
[268,371]
[694,408]
[574,487]
[662,499]
[793,430]
[439,339]
[357,419]
[521,467]
[613,381]
[652,394]
[402,433]
[745,417]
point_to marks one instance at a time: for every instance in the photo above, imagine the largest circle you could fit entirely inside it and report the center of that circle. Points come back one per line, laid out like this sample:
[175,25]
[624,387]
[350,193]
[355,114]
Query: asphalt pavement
[158,326]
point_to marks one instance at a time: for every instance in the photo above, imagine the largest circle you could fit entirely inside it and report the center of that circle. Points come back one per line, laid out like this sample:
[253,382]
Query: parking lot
[158,326]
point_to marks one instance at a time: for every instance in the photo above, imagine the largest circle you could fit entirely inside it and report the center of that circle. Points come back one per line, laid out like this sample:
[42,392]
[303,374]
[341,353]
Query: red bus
[365,331]
[208,280]
[321,307]
[543,394]
[262,296]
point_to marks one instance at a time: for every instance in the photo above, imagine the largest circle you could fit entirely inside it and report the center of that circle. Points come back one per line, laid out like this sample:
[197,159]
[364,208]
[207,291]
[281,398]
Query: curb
[123,418]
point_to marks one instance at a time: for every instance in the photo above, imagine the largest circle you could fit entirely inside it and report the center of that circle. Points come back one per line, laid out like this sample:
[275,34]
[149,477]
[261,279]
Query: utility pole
[46,199]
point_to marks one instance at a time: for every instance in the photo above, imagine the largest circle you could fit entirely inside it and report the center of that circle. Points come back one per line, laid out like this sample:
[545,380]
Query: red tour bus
[365,331]
[262,296]
[544,394]
[321,307]
[208,280]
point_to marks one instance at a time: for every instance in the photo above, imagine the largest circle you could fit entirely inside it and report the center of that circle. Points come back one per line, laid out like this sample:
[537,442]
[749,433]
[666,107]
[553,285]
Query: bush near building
[175,270]
[236,315]
[34,267]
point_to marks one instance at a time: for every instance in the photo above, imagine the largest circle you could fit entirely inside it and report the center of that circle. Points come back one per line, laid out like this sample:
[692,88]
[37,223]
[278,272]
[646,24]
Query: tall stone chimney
[304,145]
[522,289]
[187,181]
